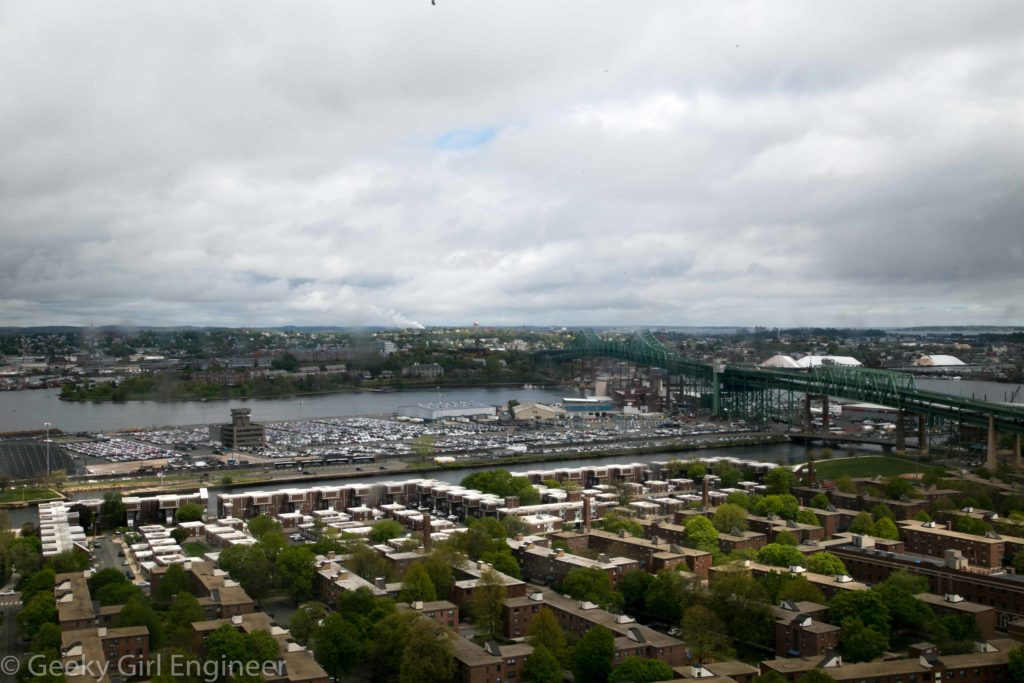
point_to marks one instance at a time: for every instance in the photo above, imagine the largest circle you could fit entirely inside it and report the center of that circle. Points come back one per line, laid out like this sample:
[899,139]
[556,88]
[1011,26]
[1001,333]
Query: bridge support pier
[991,461]
[922,434]
[808,423]
[824,414]
[901,432]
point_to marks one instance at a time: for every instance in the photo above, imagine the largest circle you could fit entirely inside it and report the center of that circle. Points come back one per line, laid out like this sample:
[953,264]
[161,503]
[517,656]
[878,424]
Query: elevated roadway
[764,393]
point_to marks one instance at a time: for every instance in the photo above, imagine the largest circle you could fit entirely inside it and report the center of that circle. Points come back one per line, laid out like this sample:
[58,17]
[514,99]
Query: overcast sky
[626,163]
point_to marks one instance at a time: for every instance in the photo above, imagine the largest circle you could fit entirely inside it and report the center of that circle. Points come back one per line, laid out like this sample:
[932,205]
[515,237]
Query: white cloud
[669,163]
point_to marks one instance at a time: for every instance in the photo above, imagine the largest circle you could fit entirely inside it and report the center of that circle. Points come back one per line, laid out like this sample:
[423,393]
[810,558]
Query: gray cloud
[567,163]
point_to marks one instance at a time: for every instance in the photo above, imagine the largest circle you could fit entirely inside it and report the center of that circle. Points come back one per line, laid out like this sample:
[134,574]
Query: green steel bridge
[750,392]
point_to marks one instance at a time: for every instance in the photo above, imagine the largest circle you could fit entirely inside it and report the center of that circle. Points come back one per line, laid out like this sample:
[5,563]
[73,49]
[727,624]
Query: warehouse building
[447,410]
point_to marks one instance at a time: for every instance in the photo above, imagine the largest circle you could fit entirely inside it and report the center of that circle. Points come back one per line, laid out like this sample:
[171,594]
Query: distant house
[423,370]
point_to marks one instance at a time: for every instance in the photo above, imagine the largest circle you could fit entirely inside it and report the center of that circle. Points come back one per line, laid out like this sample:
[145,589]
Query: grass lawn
[194,549]
[15,494]
[866,466]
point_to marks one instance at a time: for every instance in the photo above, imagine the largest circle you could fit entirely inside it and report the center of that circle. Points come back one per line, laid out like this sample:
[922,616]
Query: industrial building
[241,433]
[446,410]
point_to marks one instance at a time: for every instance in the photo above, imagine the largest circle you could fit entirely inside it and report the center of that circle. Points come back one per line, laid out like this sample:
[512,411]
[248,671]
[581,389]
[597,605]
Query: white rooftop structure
[58,528]
[815,361]
[938,360]
[780,361]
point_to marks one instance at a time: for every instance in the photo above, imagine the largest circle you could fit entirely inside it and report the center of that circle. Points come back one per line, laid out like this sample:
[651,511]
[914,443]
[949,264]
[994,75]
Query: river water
[27,410]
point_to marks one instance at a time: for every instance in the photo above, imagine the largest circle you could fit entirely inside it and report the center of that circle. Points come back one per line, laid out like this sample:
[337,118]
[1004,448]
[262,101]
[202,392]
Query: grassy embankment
[866,466]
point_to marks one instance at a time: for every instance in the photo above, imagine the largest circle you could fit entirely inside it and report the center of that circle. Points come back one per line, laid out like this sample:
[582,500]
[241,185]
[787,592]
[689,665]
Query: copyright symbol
[9,665]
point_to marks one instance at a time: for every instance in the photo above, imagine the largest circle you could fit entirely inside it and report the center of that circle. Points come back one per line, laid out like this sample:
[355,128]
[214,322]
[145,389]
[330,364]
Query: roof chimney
[426,532]
[704,497]
[586,514]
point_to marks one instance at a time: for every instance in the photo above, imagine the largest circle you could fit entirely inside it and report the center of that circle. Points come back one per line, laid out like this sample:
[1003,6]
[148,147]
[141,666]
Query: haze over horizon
[573,163]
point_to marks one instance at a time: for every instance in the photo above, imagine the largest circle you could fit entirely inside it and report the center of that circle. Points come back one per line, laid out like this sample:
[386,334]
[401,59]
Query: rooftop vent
[843,578]
[953,597]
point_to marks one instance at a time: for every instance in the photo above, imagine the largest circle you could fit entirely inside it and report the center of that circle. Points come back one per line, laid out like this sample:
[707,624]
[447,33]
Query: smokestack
[705,499]
[586,514]
[426,532]
[812,477]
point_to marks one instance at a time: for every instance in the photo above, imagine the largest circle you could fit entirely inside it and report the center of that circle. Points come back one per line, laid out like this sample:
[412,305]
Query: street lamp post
[47,425]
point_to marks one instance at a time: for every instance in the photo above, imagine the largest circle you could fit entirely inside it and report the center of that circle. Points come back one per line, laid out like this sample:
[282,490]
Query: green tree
[105,577]
[728,517]
[807,517]
[429,653]
[863,523]
[971,525]
[117,593]
[250,567]
[780,480]
[184,610]
[261,525]
[416,585]
[138,612]
[704,633]
[542,667]
[438,566]
[384,649]
[228,645]
[820,502]
[866,606]
[112,511]
[423,446]
[701,534]
[591,659]
[365,562]
[41,581]
[296,567]
[46,640]
[778,555]
[614,522]
[845,484]
[633,588]
[884,528]
[545,632]
[743,606]
[696,470]
[488,597]
[897,487]
[825,563]
[860,643]
[769,676]
[286,361]
[305,621]
[40,610]
[641,670]
[337,646]
[385,530]
[816,676]
[799,589]
[668,595]
[780,505]
[190,512]
[882,511]
[588,583]
[175,580]
[785,537]
[1016,664]
[503,483]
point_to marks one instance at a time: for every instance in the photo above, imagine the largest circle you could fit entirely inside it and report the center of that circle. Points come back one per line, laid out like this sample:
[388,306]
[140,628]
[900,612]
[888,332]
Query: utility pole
[47,425]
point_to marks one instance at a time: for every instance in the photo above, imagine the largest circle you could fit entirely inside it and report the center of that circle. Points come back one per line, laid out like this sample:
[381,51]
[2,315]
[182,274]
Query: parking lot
[27,459]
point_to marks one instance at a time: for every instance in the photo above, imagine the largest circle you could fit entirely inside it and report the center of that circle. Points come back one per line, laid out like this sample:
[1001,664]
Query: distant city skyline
[573,163]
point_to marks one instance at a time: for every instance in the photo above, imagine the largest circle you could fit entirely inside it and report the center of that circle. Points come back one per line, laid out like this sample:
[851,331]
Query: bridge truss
[762,394]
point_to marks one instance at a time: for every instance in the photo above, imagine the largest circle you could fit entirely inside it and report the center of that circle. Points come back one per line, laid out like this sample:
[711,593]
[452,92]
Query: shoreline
[384,389]
[412,470]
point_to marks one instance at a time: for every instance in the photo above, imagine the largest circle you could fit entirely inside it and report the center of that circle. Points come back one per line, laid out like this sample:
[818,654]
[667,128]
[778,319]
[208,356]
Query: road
[10,605]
